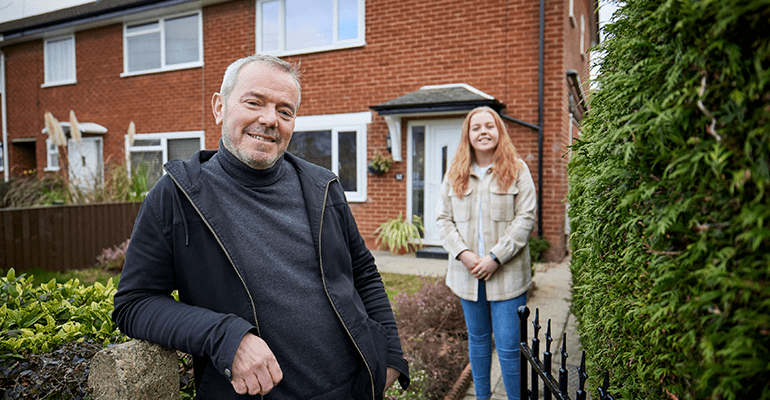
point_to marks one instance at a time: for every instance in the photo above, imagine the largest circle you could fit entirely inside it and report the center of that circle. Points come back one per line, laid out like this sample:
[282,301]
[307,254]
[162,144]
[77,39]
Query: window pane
[315,147]
[270,26]
[348,168]
[53,156]
[59,57]
[149,163]
[181,40]
[144,52]
[152,26]
[418,171]
[308,23]
[146,142]
[348,20]
[183,148]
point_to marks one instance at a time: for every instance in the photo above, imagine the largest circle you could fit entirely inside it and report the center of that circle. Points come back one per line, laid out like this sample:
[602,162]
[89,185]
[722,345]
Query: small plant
[537,246]
[380,164]
[398,234]
[111,259]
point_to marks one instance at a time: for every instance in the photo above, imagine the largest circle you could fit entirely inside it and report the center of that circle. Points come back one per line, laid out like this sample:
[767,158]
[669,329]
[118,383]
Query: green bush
[669,203]
[38,318]
[537,246]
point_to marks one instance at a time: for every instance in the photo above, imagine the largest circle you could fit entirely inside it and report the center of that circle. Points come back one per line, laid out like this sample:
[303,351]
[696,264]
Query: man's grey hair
[231,74]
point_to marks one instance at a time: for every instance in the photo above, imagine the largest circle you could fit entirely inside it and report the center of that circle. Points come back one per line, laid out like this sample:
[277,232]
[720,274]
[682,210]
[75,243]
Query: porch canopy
[431,100]
[84,127]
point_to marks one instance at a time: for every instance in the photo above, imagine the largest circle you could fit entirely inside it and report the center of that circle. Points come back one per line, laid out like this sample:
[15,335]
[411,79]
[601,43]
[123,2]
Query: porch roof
[457,97]
[84,127]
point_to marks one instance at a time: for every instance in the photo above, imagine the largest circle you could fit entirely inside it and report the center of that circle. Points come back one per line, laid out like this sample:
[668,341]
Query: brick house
[379,76]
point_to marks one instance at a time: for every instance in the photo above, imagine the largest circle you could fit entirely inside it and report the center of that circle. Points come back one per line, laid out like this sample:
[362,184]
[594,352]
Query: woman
[485,216]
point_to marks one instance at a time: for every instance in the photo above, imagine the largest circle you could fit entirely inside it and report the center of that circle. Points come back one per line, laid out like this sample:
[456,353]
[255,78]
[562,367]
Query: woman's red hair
[506,159]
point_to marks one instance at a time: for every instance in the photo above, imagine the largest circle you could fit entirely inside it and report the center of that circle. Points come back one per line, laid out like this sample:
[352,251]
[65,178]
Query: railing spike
[547,361]
[582,376]
[563,373]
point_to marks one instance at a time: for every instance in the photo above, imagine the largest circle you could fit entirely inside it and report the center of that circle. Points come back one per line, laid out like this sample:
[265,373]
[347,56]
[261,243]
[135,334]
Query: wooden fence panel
[60,238]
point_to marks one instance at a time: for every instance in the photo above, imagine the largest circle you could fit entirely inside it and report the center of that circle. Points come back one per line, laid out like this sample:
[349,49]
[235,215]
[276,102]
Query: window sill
[49,169]
[161,70]
[340,46]
[54,84]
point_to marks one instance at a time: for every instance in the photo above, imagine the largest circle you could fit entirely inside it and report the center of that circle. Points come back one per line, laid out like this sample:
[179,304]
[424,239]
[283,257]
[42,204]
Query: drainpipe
[4,116]
[540,74]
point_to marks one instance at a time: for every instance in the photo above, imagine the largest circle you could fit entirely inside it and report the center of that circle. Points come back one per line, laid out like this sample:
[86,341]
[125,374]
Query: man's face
[258,117]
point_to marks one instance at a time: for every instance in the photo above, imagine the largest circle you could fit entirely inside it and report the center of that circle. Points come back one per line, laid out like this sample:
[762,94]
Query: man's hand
[393,374]
[255,369]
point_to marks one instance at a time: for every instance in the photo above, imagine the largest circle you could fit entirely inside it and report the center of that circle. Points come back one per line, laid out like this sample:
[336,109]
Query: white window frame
[49,154]
[582,34]
[46,67]
[161,29]
[163,146]
[343,123]
[336,44]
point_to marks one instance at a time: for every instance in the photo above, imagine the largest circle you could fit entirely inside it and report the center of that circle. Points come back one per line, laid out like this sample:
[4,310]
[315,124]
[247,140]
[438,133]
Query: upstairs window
[287,27]
[163,44]
[59,55]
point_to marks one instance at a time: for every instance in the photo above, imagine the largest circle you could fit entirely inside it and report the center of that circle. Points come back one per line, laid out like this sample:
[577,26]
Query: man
[278,294]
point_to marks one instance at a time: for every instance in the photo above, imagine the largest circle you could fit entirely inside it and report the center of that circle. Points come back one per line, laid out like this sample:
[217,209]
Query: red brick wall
[492,46]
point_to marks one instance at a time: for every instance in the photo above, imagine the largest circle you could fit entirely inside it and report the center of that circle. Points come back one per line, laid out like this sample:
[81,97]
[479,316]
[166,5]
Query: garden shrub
[112,259]
[537,246]
[49,333]
[433,335]
[669,203]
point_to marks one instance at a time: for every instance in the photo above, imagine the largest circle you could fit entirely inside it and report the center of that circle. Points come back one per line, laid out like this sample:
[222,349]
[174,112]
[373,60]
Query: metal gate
[541,370]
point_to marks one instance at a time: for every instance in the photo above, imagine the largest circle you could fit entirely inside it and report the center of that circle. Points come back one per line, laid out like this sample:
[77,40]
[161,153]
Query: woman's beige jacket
[509,216]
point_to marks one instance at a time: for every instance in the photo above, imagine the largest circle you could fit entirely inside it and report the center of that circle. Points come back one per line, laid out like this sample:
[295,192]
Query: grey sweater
[281,269]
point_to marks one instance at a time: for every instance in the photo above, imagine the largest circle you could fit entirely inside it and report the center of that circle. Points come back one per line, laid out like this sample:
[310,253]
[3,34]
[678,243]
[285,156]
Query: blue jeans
[505,323]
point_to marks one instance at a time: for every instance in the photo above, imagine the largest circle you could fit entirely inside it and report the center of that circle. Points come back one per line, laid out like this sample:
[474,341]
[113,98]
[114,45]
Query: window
[2,157]
[303,26]
[164,44]
[52,156]
[336,142]
[150,151]
[59,64]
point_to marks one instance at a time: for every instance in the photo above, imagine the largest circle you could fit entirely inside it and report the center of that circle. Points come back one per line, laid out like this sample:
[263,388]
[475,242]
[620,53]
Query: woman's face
[483,134]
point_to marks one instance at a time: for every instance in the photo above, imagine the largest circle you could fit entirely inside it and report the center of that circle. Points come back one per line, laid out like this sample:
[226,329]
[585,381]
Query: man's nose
[268,117]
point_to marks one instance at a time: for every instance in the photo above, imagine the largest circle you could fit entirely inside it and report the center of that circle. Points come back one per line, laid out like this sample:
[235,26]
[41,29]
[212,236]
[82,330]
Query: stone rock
[135,370]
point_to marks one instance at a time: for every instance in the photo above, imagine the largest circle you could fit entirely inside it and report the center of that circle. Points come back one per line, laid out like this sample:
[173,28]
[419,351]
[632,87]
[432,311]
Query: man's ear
[218,107]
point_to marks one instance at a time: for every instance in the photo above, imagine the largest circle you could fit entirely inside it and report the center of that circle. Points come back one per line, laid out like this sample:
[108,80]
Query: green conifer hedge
[669,203]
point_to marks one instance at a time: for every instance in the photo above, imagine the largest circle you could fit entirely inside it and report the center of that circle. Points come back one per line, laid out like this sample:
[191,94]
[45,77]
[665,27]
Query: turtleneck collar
[246,175]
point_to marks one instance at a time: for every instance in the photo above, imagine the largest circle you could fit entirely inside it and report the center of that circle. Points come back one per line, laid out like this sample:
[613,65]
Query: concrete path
[551,295]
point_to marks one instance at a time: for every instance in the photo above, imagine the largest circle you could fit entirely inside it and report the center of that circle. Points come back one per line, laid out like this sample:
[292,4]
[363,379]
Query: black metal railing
[541,370]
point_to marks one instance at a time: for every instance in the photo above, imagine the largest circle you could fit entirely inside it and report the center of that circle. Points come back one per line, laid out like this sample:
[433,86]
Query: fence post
[536,353]
[547,360]
[523,312]
[563,373]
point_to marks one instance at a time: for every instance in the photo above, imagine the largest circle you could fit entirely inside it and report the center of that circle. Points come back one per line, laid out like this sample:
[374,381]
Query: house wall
[491,46]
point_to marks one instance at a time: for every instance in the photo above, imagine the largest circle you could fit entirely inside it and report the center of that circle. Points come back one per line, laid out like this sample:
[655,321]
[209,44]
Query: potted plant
[380,164]
[399,235]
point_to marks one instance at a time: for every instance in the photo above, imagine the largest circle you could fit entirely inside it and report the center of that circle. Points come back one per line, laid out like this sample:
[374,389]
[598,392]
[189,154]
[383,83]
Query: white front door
[85,163]
[431,146]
